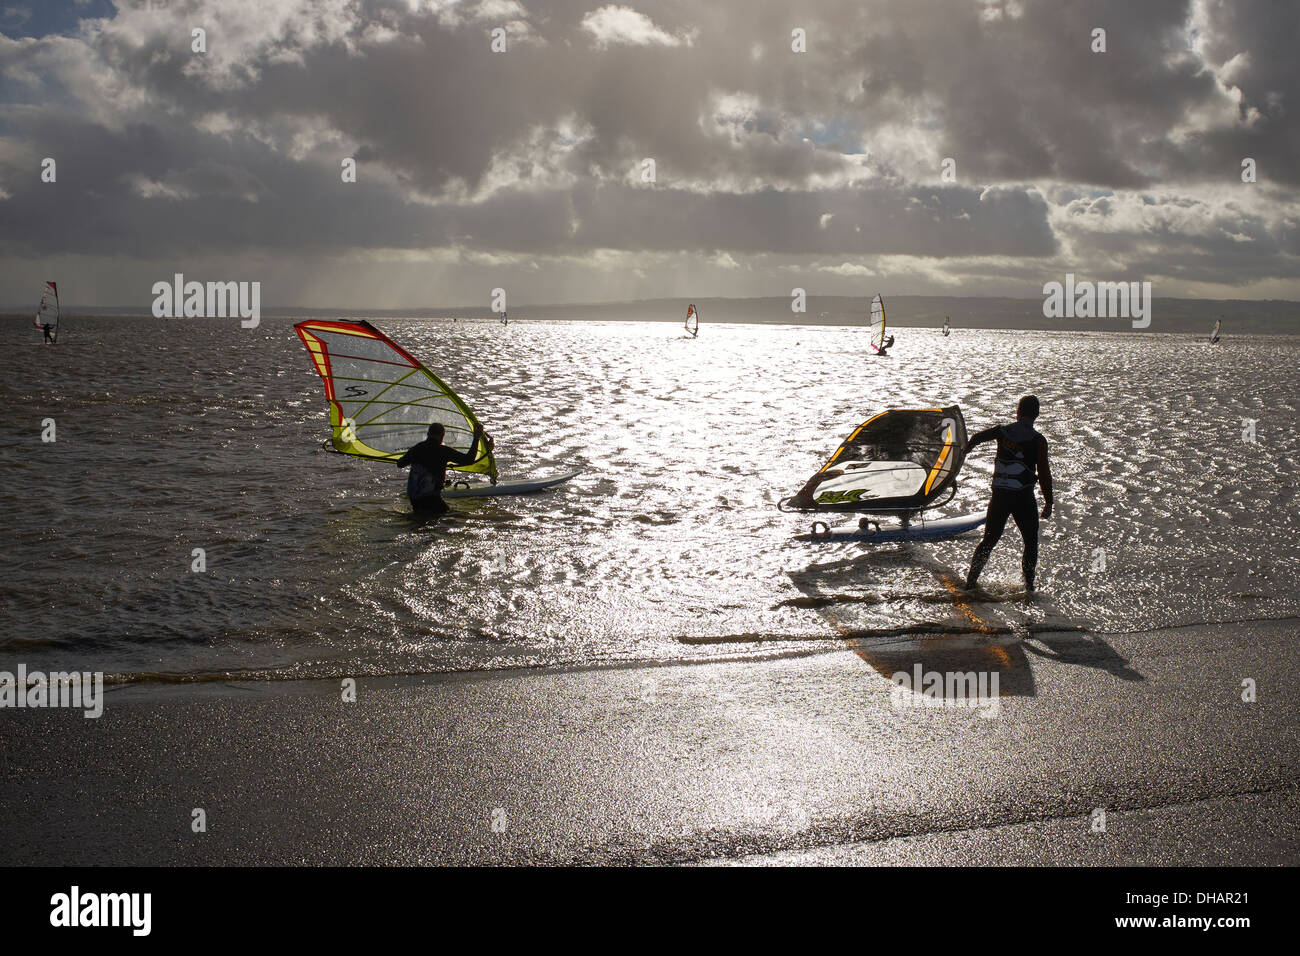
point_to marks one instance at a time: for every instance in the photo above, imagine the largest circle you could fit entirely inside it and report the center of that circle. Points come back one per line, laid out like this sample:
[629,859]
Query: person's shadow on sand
[976,637]
[1088,650]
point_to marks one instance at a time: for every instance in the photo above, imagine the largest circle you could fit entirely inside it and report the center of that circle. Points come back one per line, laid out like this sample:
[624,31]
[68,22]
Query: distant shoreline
[1171,316]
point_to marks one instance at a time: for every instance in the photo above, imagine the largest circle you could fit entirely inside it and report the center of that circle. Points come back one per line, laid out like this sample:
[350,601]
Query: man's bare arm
[1045,477]
[979,438]
[471,455]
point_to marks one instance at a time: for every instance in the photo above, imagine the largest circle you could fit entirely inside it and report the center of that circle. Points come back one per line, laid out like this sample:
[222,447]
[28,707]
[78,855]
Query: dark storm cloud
[758,150]
[1256,39]
[876,221]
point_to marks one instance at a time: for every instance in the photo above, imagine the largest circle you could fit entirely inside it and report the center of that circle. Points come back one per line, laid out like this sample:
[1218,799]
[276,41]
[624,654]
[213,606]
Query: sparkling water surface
[183,435]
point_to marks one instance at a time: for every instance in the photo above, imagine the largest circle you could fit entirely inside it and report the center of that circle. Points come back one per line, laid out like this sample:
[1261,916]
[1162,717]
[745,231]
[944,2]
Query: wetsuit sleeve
[461,458]
[987,434]
[412,456]
[1044,470]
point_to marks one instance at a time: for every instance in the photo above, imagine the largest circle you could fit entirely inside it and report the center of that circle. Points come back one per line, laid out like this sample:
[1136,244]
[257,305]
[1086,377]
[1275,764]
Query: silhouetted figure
[1021,461]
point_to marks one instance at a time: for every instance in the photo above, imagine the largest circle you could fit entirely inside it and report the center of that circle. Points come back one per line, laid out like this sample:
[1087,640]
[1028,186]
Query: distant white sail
[877,323]
[692,320]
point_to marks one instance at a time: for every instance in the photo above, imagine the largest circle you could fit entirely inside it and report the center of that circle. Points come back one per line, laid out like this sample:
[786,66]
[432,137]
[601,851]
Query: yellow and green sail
[382,400]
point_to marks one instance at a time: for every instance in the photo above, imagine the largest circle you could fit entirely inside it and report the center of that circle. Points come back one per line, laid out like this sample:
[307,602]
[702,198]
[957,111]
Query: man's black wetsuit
[1021,461]
[429,461]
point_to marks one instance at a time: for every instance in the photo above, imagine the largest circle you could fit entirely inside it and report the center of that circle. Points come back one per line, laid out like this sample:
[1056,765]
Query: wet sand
[796,759]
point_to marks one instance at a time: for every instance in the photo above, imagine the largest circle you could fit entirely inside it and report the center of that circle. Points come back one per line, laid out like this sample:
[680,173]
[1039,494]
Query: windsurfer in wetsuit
[49,332]
[1021,461]
[885,346]
[429,460]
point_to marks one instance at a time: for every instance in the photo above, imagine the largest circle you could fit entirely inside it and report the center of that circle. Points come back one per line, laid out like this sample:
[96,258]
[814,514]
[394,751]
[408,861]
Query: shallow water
[173,436]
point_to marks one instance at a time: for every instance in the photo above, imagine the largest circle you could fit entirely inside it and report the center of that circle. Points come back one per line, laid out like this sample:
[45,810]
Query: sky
[933,147]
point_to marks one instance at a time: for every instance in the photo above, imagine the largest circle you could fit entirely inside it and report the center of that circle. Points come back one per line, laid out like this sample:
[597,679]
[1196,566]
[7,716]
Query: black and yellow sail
[903,459]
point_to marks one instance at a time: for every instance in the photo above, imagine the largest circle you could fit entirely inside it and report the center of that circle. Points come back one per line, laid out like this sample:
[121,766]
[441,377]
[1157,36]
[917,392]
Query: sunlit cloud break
[915,146]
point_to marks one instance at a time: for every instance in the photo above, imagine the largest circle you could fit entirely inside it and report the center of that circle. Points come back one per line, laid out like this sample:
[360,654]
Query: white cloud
[151,189]
[612,25]
[847,269]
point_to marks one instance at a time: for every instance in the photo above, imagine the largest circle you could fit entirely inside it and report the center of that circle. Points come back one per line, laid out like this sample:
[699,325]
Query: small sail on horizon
[876,325]
[47,316]
[1214,336]
[947,329]
[692,321]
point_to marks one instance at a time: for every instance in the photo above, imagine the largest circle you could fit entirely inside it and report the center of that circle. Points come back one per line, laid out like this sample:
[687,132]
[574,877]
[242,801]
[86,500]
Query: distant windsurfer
[428,461]
[885,346]
[49,333]
[1021,461]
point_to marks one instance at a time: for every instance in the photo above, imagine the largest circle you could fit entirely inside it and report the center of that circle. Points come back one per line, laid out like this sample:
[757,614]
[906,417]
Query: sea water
[186,524]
